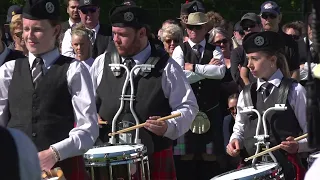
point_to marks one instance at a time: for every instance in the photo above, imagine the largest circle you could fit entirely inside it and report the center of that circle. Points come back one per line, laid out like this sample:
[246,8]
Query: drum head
[114,152]
[247,172]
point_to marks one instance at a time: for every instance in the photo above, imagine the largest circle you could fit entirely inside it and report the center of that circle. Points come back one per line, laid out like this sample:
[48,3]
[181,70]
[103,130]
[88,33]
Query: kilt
[162,165]
[73,168]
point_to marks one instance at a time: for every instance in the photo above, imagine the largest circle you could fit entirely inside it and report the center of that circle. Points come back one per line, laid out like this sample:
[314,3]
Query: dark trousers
[196,169]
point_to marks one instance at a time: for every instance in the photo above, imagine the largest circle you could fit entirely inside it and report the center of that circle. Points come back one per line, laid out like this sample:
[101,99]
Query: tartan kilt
[162,165]
[73,168]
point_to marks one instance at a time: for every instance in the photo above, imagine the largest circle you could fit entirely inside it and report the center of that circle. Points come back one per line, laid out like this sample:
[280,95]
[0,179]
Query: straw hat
[197,18]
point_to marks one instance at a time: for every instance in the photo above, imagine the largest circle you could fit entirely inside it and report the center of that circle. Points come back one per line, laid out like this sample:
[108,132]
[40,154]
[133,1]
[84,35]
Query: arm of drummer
[239,125]
[82,137]
[297,100]
[6,72]
[181,99]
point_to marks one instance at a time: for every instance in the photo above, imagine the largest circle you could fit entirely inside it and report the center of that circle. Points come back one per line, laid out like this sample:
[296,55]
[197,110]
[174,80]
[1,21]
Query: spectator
[215,20]
[81,44]
[171,37]
[73,12]
[16,29]
[228,121]
[238,34]
[100,35]
[219,37]
[271,17]
[250,22]
[6,37]
[293,29]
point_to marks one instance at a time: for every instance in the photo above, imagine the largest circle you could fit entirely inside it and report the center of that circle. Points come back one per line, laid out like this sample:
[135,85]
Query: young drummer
[267,63]
[49,96]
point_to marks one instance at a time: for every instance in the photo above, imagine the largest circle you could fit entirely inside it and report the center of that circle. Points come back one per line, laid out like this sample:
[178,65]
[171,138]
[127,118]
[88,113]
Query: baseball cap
[270,7]
[13,10]
[250,16]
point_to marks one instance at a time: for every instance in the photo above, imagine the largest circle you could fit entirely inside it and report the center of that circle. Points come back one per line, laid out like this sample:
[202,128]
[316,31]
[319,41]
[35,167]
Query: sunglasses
[196,27]
[232,108]
[222,41]
[18,34]
[295,37]
[246,27]
[86,10]
[168,41]
[268,15]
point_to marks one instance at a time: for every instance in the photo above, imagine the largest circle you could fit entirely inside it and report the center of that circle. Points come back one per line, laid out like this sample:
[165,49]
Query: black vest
[150,99]
[104,36]
[280,124]
[207,92]
[45,114]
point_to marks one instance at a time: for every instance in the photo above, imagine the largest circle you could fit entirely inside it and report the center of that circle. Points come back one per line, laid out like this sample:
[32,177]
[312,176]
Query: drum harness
[116,70]
[263,139]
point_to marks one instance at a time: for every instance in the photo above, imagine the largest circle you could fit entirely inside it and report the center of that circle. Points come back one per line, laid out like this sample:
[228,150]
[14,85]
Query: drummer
[45,94]
[163,91]
[268,65]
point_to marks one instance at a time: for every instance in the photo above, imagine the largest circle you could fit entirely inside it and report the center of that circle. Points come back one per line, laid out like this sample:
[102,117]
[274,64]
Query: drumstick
[273,148]
[141,125]
[100,122]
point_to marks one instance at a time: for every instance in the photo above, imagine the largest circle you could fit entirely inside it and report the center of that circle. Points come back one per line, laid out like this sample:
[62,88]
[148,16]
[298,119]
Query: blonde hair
[281,62]
[171,30]
[81,31]
[16,22]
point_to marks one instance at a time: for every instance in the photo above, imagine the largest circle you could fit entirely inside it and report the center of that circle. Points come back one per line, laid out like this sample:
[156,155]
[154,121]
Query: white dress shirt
[175,87]
[66,46]
[82,137]
[4,53]
[201,71]
[297,101]
[71,23]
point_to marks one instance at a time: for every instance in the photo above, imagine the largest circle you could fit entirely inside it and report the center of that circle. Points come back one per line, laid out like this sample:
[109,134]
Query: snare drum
[120,162]
[265,171]
[312,157]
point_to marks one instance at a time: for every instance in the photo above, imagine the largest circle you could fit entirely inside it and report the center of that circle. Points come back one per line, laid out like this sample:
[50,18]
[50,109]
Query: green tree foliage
[167,9]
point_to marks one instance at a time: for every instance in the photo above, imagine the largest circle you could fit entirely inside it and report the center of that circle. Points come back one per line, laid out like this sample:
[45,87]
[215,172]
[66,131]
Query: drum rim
[247,167]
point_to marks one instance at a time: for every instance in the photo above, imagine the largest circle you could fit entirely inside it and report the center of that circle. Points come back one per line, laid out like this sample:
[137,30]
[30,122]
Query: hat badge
[49,7]
[13,13]
[195,8]
[259,41]
[86,2]
[268,6]
[128,16]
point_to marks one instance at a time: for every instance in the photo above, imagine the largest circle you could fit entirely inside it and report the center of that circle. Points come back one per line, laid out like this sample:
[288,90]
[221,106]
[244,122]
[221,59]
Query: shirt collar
[96,29]
[310,42]
[71,23]
[142,56]
[275,79]
[48,58]
[4,54]
[202,43]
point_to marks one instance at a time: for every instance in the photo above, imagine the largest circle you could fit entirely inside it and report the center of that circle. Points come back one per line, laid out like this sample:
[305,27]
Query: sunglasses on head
[168,41]
[86,10]
[196,27]
[222,41]
[270,15]
[18,34]
[246,27]
[295,37]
